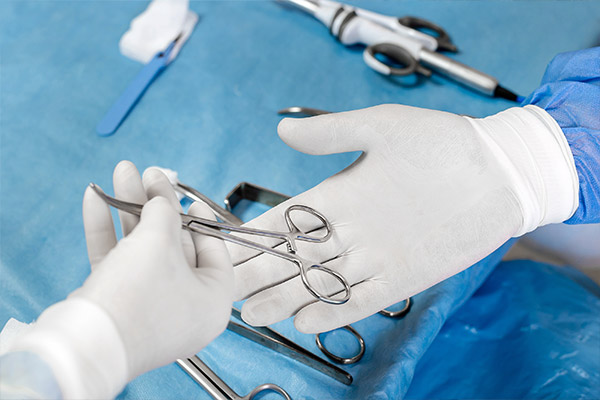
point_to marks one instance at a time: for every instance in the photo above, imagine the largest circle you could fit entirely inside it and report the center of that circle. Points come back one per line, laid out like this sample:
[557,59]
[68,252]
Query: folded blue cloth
[531,331]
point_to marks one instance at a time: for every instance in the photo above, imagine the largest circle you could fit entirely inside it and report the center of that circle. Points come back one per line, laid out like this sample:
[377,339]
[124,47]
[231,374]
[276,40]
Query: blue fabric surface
[211,115]
[570,93]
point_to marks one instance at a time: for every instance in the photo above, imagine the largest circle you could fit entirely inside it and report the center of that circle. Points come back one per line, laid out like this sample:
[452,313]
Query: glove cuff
[82,346]
[541,166]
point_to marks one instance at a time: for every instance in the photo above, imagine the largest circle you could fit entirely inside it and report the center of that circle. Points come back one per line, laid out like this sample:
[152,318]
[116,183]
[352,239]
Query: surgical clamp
[215,229]
[255,193]
[215,386]
[251,192]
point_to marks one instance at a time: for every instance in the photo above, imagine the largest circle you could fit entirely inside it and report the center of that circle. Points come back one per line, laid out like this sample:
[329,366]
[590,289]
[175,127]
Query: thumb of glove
[336,133]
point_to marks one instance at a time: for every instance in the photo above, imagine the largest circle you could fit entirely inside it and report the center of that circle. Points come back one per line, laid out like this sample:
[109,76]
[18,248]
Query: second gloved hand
[156,295]
[432,194]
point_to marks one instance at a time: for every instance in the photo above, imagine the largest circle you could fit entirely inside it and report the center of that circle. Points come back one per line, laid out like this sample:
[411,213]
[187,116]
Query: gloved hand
[157,295]
[432,194]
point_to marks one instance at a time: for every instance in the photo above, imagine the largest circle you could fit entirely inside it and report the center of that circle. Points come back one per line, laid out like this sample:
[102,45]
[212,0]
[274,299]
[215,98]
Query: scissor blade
[274,341]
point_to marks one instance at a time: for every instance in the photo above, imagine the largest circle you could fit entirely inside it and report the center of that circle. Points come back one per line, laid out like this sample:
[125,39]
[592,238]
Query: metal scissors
[215,229]
[399,41]
[215,386]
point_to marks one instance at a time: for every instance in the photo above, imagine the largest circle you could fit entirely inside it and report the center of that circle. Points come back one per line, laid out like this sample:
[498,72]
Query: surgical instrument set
[399,40]
[271,339]
[215,386]
[255,193]
[215,229]
[251,192]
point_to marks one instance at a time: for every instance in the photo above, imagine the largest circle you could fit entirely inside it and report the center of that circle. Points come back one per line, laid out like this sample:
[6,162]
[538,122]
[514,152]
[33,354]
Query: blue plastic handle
[132,94]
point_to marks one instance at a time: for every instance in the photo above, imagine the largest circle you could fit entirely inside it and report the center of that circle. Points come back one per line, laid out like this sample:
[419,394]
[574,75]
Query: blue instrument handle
[131,95]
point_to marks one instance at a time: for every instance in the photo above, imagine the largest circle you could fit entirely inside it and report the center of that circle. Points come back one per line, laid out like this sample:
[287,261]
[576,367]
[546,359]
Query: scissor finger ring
[400,313]
[343,360]
[268,387]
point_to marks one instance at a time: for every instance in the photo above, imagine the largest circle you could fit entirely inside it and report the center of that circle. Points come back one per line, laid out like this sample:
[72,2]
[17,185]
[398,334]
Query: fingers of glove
[267,270]
[286,299]
[128,187]
[321,317]
[212,258]
[159,217]
[156,183]
[98,226]
[339,132]
[274,220]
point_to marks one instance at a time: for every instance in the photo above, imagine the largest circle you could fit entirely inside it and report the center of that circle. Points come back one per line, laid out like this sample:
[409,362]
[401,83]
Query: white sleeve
[24,375]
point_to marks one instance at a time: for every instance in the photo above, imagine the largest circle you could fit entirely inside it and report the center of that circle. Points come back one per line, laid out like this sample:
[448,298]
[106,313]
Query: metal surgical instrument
[302,111]
[273,340]
[311,112]
[215,386]
[255,193]
[251,192]
[399,40]
[215,229]
[195,195]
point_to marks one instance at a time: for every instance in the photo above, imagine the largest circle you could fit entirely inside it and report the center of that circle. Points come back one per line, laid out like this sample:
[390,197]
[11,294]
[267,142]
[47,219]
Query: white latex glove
[432,194]
[157,295]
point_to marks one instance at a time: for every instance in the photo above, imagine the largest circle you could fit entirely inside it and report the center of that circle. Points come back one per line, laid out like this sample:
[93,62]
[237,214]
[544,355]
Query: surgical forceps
[215,386]
[274,340]
[249,191]
[215,229]
[312,112]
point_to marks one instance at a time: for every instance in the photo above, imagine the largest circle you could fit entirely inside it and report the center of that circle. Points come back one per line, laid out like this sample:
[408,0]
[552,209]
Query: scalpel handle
[131,95]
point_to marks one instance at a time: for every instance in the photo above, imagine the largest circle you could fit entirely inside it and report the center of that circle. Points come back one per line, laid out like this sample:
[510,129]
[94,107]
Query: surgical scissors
[215,386]
[215,229]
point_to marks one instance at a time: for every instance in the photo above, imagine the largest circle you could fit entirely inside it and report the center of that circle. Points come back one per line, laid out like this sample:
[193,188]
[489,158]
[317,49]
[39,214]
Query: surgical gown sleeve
[24,375]
[570,93]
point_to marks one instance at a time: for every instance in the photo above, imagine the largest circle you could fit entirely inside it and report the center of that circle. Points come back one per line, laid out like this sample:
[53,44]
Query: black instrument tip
[506,94]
